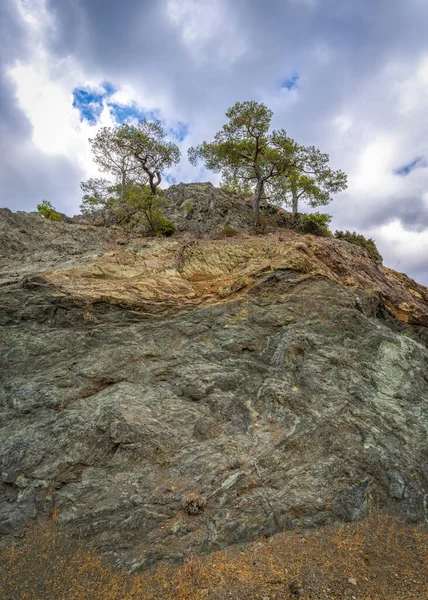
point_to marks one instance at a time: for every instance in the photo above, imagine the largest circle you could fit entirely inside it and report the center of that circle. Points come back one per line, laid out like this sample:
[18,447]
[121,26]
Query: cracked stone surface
[282,379]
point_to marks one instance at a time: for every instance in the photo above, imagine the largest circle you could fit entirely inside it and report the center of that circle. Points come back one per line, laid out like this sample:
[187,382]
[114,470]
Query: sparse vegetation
[187,207]
[143,208]
[135,156]
[315,223]
[139,207]
[379,558]
[46,209]
[234,187]
[162,227]
[228,232]
[150,151]
[113,156]
[193,503]
[359,240]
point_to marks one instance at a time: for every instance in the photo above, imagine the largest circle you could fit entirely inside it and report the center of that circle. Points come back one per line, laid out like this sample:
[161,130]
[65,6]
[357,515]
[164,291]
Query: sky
[348,76]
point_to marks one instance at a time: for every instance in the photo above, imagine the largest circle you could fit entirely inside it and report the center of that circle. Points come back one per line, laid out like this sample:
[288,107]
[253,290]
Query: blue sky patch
[89,102]
[170,179]
[179,131]
[130,112]
[290,82]
[409,167]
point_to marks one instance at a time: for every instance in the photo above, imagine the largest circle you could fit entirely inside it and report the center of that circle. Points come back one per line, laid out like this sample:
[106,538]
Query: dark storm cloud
[13,45]
[411,211]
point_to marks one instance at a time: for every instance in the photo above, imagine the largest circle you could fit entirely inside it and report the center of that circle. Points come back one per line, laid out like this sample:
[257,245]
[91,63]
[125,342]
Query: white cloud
[207,28]
[406,250]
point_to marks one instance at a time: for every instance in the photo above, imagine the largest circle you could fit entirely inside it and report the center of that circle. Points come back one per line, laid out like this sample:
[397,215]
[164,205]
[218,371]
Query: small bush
[187,207]
[143,210]
[228,232]
[315,223]
[47,210]
[360,240]
[193,503]
[164,227]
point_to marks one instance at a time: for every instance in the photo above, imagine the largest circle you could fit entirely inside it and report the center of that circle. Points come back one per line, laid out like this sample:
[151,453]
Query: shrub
[193,503]
[46,209]
[315,223]
[187,207]
[164,227]
[141,208]
[359,240]
[228,232]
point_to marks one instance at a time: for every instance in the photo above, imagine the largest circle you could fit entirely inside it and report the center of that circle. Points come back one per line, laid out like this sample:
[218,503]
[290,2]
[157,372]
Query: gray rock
[295,404]
[201,208]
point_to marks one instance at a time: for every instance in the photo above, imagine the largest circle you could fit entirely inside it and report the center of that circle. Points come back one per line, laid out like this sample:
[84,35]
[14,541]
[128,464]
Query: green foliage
[163,226]
[143,208]
[315,191]
[147,145]
[359,240]
[98,194]
[234,187]
[135,155]
[270,164]
[46,209]
[315,223]
[139,208]
[228,232]
[187,207]
[132,155]
[110,152]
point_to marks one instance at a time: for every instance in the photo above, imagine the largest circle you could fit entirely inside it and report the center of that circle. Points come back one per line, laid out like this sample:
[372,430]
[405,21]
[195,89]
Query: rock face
[201,208]
[165,395]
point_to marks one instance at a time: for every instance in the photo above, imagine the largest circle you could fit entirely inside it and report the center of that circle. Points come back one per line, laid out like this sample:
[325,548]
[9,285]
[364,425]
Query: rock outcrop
[161,395]
[201,208]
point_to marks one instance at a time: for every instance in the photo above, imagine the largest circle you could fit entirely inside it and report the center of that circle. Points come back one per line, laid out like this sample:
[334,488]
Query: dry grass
[379,558]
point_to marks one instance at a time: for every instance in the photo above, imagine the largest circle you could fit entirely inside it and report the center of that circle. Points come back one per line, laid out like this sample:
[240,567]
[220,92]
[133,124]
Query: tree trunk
[154,184]
[122,188]
[256,201]
[294,202]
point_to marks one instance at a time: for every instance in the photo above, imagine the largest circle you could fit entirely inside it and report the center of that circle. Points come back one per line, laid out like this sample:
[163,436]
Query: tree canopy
[314,189]
[135,156]
[99,193]
[147,144]
[113,156]
[270,163]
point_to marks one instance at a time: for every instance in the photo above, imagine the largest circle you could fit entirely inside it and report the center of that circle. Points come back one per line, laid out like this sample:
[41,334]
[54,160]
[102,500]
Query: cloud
[349,77]
[207,29]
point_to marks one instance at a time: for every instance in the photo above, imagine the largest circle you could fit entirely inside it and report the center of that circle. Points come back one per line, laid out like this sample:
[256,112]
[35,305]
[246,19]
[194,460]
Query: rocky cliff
[161,395]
